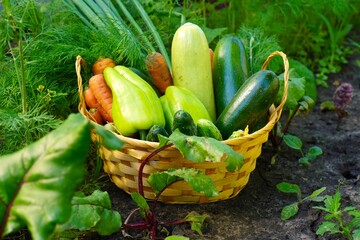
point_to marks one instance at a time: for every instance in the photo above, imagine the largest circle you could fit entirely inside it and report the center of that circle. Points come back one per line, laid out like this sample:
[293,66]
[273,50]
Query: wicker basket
[122,165]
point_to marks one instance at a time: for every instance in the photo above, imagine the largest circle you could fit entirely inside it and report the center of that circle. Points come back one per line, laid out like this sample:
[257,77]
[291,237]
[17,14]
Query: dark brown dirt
[255,213]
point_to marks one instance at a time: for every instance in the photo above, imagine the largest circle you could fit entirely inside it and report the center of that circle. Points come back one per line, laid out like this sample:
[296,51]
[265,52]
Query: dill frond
[258,47]
[35,124]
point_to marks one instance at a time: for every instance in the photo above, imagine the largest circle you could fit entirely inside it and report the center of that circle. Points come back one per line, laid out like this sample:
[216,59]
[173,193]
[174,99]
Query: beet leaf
[38,182]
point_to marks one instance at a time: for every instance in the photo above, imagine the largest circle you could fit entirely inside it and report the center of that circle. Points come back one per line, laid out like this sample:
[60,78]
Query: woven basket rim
[142,143]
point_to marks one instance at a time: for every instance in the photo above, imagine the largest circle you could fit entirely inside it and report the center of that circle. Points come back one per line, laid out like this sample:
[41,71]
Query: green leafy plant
[90,213]
[258,47]
[26,112]
[296,143]
[22,21]
[292,209]
[335,221]
[34,124]
[39,181]
[297,102]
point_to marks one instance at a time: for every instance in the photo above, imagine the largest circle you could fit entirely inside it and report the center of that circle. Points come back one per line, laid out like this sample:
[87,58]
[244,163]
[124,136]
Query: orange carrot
[94,113]
[90,99]
[101,64]
[92,103]
[158,70]
[103,95]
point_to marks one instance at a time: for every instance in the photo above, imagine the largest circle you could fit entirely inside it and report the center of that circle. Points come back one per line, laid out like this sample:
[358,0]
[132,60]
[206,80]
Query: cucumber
[191,65]
[206,128]
[250,103]
[185,123]
[152,135]
[230,70]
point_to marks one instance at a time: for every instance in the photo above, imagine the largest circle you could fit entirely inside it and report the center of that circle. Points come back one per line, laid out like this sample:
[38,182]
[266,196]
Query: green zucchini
[191,65]
[185,123]
[230,70]
[250,103]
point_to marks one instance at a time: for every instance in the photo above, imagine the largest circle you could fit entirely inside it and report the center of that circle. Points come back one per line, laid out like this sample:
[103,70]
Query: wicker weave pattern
[122,165]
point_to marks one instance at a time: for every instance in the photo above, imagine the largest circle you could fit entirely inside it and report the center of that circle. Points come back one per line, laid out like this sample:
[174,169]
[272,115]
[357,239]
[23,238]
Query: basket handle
[286,79]
[82,105]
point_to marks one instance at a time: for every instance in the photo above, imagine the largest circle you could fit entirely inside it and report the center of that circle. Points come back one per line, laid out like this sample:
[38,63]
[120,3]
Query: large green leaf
[93,213]
[212,33]
[296,89]
[108,138]
[201,149]
[38,182]
[160,180]
[197,179]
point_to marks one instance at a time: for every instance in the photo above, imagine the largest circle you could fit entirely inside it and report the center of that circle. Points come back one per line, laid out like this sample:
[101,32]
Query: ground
[255,213]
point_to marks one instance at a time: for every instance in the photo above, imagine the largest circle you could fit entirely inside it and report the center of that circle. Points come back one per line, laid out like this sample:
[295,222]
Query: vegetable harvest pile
[203,93]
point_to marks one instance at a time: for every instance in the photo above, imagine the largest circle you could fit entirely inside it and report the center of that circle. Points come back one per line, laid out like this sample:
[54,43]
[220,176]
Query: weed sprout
[342,98]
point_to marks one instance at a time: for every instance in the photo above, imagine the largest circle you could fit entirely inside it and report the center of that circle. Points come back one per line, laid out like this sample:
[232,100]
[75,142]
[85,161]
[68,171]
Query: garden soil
[255,213]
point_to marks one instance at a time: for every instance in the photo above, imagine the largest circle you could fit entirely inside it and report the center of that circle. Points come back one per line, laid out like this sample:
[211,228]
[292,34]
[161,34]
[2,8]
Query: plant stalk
[142,165]
[287,125]
[22,72]
[154,32]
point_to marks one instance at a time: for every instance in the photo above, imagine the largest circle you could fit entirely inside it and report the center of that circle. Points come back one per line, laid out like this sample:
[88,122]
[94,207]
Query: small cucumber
[250,103]
[152,135]
[230,70]
[206,128]
[185,123]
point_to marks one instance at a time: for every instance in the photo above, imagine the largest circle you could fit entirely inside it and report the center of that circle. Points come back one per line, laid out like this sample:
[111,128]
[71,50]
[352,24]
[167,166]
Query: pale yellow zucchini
[191,66]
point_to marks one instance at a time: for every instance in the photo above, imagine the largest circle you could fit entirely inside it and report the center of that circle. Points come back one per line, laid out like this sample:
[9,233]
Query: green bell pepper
[179,98]
[136,106]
